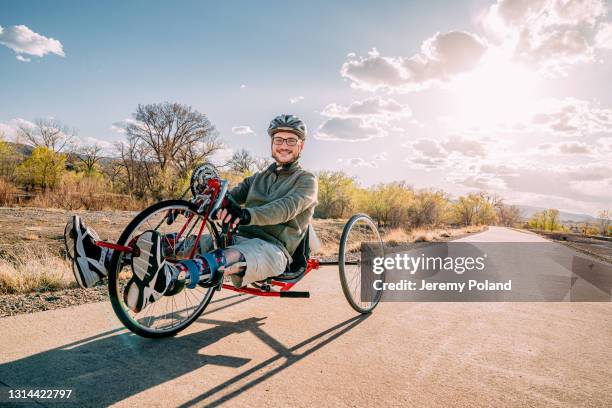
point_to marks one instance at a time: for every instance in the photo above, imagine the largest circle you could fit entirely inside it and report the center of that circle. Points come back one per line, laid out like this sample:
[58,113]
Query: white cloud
[427,163]
[458,145]
[296,99]
[382,156]
[374,108]
[242,130]
[349,130]
[465,147]
[574,148]
[584,183]
[120,126]
[604,144]
[22,58]
[358,162]
[548,34]
[571,117]
[22,40]
[361,120]
[442,56]
[429,148]
[222,155]
[242,86]
[10,129]
[108,147]
[603,38]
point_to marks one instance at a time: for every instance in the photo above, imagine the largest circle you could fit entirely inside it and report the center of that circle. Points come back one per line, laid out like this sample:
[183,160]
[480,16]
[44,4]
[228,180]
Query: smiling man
[278,205]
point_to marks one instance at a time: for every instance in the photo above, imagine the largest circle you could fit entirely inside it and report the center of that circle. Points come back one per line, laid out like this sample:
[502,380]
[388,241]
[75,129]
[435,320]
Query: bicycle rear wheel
[360,295]
[170,314]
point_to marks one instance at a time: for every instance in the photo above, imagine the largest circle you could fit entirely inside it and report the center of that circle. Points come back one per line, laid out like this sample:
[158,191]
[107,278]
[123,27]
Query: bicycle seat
[300,256]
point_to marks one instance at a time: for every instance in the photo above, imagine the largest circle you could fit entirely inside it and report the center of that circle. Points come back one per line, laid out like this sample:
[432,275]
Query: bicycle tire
[116,267]
[342,264]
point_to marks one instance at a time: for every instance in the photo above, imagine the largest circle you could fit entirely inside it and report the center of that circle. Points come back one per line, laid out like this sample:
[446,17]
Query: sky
[510,97]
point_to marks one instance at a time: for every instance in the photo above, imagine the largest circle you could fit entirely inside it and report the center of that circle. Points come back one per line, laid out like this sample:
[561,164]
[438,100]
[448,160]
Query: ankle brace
[207,263]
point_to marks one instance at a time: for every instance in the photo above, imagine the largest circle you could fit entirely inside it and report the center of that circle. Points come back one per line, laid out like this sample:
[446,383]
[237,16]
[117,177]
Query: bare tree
[508,215]
[604,222]
[89,156]
[48,133]
[169,129]
[135,173]
[191,155]
[262,163]
[242,162]
[112,169]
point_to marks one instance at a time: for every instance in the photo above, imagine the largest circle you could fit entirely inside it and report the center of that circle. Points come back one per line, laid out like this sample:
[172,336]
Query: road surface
[247,351]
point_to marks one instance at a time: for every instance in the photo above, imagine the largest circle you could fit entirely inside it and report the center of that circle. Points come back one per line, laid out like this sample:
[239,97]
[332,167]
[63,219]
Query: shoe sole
[145,268]
[85,277]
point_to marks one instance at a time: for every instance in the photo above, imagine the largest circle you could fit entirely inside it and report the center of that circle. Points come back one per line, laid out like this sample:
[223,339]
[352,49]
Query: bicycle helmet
[288,123]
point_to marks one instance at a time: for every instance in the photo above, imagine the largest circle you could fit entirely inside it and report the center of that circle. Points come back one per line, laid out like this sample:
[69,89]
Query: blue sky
[461,96]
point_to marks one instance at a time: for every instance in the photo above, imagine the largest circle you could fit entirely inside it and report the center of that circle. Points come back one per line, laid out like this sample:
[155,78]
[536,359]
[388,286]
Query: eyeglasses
[280,140]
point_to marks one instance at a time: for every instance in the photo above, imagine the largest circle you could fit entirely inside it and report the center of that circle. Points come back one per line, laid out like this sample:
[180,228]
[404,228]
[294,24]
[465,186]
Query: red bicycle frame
[265,289]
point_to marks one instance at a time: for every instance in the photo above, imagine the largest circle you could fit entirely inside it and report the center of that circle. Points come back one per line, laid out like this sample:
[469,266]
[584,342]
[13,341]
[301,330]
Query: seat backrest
[313,241]
[301,254]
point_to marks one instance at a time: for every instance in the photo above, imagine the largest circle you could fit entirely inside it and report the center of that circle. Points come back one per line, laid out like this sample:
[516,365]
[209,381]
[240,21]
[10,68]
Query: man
[278,206]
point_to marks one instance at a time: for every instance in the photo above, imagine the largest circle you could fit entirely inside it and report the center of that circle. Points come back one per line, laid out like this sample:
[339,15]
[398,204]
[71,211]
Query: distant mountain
[528,210]
[26,151]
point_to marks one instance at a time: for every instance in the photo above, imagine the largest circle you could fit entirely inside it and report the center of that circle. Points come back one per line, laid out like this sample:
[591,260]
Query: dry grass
[7,192]
[33,269]
[428,234]
[86,199]
[329,232]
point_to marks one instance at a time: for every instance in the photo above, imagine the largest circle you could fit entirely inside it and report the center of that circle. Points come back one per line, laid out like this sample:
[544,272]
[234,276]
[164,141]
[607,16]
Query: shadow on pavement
[112,366]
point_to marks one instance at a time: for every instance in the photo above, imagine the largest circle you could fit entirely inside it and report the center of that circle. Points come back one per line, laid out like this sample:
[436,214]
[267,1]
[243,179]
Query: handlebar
[220,196]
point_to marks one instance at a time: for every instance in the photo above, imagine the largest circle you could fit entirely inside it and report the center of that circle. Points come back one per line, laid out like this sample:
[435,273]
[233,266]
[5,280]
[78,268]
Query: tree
[552,219]
[508,215]
[89,156]
[9,159]
[604,222]
[48,133]
[112,169]
[388,203]
[547,220]
[262,163]
[428,208]
[43,168]
[164,143]
[167,128]
[242,162]
[335,194]
[135,180]
[474,209]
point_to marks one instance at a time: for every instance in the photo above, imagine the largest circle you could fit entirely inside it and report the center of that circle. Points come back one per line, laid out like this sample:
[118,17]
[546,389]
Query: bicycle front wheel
[180,224]
[358,230]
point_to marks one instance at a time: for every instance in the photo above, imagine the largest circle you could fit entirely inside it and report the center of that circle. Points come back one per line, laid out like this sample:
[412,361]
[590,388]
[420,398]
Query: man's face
[286,147]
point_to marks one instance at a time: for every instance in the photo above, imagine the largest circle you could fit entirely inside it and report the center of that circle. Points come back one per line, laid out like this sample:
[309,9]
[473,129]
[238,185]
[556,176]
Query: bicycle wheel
[359,229]
[170,314]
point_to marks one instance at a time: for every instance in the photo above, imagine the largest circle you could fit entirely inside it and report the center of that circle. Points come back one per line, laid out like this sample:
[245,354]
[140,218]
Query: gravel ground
[11,305]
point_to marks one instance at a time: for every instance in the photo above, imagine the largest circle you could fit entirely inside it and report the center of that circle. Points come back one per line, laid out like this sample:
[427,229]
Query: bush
[7,192]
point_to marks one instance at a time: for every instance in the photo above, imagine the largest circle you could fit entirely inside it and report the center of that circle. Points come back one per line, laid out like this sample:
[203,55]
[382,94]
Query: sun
[498,93]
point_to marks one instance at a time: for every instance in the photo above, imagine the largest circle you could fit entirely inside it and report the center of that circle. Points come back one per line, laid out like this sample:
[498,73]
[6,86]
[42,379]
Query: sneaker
[152,275]
[89,259]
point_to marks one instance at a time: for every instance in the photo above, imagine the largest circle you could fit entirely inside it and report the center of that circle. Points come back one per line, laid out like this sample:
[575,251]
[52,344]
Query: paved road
[247,351]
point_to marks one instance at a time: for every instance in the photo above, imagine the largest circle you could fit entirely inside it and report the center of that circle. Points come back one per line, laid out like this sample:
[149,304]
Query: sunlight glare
[500,93]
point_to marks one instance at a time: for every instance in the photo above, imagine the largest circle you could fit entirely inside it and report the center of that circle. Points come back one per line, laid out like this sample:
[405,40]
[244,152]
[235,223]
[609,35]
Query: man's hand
[231,213]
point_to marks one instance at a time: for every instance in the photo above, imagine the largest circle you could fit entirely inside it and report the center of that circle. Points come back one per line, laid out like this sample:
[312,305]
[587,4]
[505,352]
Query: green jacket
[281,202]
